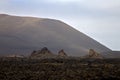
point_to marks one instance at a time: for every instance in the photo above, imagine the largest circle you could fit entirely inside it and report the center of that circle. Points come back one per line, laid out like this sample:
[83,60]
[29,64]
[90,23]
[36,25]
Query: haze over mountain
[22,35]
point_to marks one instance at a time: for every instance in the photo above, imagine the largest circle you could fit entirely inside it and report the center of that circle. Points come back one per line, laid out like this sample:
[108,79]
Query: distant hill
[22,35]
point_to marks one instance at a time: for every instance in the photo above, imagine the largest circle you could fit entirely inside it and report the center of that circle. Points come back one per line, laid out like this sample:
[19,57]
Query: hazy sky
[99,19]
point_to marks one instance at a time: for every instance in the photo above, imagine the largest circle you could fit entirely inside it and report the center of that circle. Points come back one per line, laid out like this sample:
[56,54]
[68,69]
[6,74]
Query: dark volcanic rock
[34,53]
[61,53]
[43,53]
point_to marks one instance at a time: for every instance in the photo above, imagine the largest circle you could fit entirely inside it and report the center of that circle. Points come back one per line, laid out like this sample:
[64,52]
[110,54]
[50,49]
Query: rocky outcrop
[46,53]
[61,53]
[93,54]
[33,53]
[43,53]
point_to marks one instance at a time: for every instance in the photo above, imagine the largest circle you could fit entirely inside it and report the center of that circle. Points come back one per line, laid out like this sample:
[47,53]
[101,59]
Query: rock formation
[46,53]
[93,54]
[34,53]
[43,53]
[61,53]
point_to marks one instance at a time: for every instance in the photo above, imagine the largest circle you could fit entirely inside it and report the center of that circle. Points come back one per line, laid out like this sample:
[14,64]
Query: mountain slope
[111,54]
[22,35]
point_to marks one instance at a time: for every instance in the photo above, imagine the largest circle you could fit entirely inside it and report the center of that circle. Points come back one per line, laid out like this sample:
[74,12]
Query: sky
[99,19]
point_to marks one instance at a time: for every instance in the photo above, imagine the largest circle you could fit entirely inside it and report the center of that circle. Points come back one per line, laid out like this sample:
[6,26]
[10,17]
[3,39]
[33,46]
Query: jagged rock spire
[33,53]
[43,53]
[94,54]
[62,53]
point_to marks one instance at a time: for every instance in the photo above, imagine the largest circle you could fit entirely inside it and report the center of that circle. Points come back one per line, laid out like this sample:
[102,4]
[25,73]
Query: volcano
[22,35]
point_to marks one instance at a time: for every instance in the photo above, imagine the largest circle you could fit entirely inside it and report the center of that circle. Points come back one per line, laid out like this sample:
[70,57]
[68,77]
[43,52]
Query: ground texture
[59,69]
